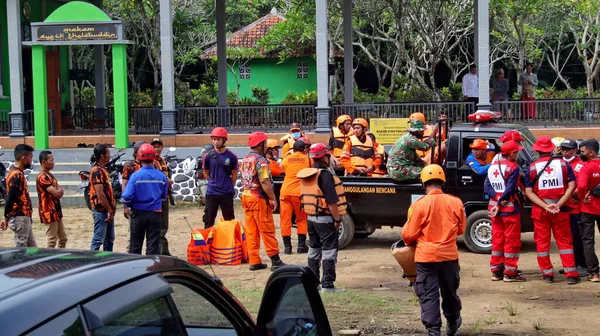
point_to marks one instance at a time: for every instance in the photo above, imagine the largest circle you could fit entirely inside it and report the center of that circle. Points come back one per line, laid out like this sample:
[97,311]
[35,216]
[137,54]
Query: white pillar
[348,54]
[169,125]
[221,61]
[15,67]
[482,51]
[322,68]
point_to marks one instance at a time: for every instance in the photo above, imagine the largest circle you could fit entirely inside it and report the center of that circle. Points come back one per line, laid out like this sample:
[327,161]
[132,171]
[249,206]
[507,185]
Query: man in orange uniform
[481,156]
[502,186]
[259,202]
[587,188]
[429,132]
[340,134]
[549,184]
[434,222]
[289,139]
[273,157]
[359,157]
[290,198]
[568,148]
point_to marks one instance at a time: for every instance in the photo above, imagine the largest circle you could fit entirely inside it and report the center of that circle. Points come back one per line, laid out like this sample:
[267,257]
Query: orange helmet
[318,150]
[272,143]
[479,144]
[360,121]
[219,132]
[418,116]
[432,172]
[342,119]
[256,138]
[146,152]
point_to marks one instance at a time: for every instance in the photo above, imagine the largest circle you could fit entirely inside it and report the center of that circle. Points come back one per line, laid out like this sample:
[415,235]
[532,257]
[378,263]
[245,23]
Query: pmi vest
[339,140]
[362,153]
[498,175]
[553,180]
[311,196]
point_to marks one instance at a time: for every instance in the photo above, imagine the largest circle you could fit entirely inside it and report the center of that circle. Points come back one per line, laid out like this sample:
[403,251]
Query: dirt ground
[377,300]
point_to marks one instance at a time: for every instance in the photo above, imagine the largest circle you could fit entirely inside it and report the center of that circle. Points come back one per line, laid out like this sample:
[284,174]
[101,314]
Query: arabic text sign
[388,130]
[80,32]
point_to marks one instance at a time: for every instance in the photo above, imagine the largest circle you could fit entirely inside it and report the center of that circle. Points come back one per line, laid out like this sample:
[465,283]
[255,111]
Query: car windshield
[529,140]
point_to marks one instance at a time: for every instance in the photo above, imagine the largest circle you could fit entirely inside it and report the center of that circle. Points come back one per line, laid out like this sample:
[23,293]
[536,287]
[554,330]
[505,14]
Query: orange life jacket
[339,140]
[362,153]
[378,172]
[311,196]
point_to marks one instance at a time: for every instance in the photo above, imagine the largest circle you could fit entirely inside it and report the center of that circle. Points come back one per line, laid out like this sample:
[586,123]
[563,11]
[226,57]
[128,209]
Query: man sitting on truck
[340,134]
[426,155]
[359,157]
[403,162]
[273,157]
[380,171]
[481,156]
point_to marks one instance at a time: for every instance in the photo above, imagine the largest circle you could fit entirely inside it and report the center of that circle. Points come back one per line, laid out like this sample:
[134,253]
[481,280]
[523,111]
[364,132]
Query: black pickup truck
[378,202]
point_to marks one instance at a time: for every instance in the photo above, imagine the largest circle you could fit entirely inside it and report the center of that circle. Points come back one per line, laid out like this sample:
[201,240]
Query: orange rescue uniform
[258,213]
[276,169]
[434,221]
[359,154]
[290,194]
[378,172]
[338,140]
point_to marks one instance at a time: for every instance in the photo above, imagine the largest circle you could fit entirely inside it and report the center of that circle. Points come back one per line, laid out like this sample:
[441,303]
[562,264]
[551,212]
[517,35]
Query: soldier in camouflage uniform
[403,162]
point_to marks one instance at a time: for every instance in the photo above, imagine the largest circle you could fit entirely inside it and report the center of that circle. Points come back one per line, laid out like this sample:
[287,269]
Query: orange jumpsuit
[290,194]
[276,169]
[359,154]
[258,214]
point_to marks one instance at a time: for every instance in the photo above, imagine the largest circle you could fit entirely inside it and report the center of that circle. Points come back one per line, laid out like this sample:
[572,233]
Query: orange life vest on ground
[311,196]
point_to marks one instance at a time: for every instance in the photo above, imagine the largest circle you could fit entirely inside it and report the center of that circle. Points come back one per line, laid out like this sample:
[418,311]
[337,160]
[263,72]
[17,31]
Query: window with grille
[302,70]
[244,71]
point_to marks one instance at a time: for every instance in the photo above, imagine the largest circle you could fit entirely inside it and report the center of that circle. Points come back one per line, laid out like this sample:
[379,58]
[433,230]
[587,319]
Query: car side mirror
[291,304]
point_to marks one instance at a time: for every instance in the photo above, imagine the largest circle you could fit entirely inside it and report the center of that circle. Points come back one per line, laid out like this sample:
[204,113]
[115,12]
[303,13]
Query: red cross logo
[496,173]
[549,171]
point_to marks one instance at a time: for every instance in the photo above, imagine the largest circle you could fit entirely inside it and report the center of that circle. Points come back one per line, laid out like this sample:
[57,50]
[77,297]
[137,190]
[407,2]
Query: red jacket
[589,177]
[576,164]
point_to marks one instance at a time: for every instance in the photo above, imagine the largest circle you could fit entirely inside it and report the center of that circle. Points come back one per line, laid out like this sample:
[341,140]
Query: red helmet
[306,141]
[254,139]
[513,135]
[146,152]
[318,150]
[219,132]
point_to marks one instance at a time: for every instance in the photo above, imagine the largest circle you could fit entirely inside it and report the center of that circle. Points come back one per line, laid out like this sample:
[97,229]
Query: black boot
[287,245]
[453,326]
[434,331]
[276,262]
[302,248]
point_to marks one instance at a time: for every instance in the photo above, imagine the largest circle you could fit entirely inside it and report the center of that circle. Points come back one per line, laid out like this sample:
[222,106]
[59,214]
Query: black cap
[569,144]
[299,145]
[156,140]
[137,145]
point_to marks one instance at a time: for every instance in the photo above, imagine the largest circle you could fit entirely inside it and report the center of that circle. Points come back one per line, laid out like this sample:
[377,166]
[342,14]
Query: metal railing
[456,111]
[146,120]
[246,118]
[29,121]
[83,117]
[550,111]
[4,123]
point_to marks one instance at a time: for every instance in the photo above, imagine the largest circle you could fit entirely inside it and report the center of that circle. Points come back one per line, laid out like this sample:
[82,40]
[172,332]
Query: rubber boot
[287,245]
[453,326]
[276,262]
[302,248]
[434,331]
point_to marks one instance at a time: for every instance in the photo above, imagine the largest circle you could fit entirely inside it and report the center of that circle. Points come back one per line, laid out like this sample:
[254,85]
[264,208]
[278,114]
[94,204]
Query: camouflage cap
[416,125]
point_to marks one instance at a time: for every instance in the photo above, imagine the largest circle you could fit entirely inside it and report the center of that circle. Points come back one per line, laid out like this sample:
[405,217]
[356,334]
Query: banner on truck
[388,130]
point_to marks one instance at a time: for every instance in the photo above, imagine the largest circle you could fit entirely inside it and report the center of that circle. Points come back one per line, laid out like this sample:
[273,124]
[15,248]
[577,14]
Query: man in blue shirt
[144,194]
[481,156]
[221,169]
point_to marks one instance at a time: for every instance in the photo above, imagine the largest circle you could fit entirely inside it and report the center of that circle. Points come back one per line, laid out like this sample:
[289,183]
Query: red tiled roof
[249,36]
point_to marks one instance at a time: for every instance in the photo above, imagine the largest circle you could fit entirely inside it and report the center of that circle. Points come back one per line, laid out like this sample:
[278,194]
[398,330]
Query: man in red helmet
[513,135]
[221,171]
[549,184]
[323,200]
[503,185]
[259,202]
[144,194]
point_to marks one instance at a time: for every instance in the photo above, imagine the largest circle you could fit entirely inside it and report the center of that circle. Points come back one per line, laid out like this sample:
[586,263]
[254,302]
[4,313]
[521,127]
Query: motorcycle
[171,160]
[114,168]
[195,169]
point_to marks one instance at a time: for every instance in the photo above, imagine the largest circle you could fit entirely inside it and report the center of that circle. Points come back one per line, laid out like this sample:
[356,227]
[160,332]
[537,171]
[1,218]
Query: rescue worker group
[563,186]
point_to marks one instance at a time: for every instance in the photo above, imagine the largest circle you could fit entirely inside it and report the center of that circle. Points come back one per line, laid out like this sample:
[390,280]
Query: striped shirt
[146,189]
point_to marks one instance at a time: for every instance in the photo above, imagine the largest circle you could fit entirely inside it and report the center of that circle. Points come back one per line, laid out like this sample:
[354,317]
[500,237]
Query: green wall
[36,16]
[278,78]
[4,103]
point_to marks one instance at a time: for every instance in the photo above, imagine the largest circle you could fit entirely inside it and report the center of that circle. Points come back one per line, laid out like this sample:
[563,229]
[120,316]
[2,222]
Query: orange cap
[479,144]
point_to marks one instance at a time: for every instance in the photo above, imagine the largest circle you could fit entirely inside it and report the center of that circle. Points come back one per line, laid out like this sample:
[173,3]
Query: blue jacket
[146,189]
[476,165]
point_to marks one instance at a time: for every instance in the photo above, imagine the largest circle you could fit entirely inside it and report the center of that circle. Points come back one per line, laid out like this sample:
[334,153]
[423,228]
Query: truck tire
[346,231]
[478,234]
